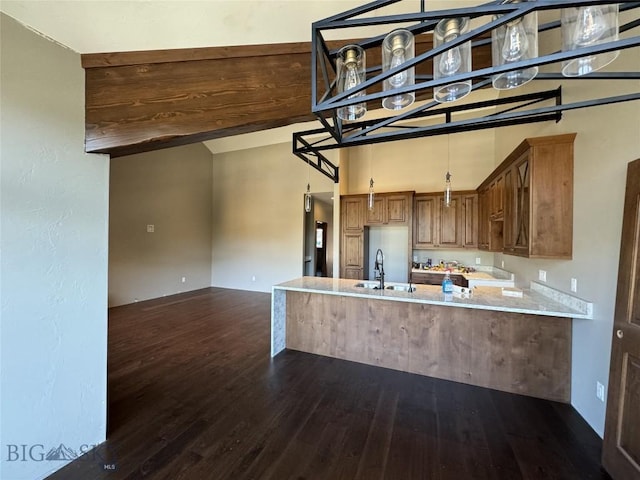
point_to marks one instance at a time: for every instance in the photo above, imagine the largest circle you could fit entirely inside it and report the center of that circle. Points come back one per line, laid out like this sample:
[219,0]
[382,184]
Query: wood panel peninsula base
[474,343]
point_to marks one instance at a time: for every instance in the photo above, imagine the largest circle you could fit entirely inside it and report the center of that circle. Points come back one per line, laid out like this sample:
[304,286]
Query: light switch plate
[542,275]
[574,284]
[600,391]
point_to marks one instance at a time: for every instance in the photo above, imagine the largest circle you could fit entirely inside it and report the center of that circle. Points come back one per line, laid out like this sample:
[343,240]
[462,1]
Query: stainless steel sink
[371,285]
[402,288]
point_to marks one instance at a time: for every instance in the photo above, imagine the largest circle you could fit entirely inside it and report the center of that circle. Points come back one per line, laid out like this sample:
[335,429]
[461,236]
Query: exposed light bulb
[371,194]
[447,190]
[451,60]
[352,79]
[397,50]
[397,59]
[307,199]
[515,41]
[590,26]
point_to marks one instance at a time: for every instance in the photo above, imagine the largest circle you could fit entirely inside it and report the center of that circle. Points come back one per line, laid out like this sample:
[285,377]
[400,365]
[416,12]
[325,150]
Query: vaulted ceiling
[101,26]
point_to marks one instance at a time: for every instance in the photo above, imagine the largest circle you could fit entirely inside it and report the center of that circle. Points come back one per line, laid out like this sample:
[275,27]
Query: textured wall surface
[258,216]
[608,138]
[170,189]
[53,270]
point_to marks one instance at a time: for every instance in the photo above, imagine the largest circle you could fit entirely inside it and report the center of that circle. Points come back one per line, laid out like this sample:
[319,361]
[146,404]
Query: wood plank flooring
[194,395]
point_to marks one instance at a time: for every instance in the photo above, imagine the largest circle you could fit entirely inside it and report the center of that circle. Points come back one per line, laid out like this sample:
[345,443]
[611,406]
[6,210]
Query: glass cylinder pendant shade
[447,190]
[351,65]
[371,197]
[397,48]
[307,199]
[454,61]
[586,27]
[515,41]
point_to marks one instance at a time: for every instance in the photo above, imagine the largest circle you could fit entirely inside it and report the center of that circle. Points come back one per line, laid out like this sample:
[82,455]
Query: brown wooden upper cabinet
[390,208]
[537,196]
[496,198]
[437,226]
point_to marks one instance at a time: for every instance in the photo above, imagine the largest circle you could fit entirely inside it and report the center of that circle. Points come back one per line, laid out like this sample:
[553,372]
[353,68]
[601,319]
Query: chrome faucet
[379,267]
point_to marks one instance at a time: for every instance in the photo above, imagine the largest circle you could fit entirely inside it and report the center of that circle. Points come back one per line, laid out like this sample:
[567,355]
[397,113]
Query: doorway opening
[318,237]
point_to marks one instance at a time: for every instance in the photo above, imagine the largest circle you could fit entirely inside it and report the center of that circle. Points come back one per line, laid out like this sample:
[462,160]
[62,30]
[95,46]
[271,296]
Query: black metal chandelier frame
[517,109]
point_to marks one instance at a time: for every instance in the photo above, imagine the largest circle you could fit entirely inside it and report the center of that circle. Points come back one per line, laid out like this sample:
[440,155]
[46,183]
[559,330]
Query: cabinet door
[483,219]
[353,213]
[499,191]
[353,273]
[398,208]
[496,192]
[378,215]
[509,210]
[522,205]
[425,213]
[353,250]
[419,278]
[449,226]
[470,221]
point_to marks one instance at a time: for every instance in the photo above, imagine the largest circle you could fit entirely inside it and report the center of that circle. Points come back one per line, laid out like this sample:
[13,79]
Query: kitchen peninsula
[518,345]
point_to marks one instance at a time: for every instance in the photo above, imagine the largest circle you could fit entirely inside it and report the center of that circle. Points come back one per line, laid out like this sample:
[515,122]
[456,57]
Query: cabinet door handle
[619,333]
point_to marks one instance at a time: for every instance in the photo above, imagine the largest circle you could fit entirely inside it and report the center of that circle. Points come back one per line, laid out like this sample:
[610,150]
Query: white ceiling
[91,26]
[94,26]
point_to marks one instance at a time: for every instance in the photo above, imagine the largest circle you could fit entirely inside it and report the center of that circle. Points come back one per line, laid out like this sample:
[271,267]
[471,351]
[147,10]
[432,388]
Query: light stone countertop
[539,300]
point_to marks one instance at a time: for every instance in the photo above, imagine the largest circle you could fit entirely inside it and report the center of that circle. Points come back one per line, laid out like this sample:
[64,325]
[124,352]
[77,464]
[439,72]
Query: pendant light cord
[448,153]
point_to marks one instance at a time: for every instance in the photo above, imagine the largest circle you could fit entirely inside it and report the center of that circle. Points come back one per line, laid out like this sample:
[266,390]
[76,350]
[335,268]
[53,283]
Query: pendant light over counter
[453,61]
[398,48]
[351,64]
[307,195]
[511,42]
[447,177]
[444,41]
[586,27]
[371,196]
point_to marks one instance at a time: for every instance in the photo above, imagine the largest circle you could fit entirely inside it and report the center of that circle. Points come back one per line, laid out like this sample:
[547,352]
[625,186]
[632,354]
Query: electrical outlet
[600,391]
[542,275]
[151,228]
[183,279]
[478,260]
[415,258]
[574,284]
[502,264]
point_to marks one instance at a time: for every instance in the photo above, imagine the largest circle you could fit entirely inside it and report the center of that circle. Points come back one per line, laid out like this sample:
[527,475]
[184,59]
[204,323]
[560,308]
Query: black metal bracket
[309,155]
[338,134]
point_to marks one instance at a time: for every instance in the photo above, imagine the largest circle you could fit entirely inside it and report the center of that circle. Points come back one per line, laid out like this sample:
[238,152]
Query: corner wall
[421,164]
[53,269]
[171,190]
[608,138]
[258,216]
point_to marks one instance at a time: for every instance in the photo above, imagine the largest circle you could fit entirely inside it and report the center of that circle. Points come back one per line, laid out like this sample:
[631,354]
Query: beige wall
[608,138]
[258,216]
[420,164]
[170,189]
[53,267]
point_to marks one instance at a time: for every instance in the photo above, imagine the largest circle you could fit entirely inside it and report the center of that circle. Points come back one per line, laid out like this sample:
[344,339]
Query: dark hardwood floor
[194,395]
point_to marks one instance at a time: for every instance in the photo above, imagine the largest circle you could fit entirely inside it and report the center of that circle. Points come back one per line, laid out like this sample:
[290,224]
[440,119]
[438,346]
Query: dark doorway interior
[321,249]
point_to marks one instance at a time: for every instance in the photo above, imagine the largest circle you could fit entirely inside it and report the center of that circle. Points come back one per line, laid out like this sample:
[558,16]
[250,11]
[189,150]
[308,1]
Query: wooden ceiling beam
[143,101]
